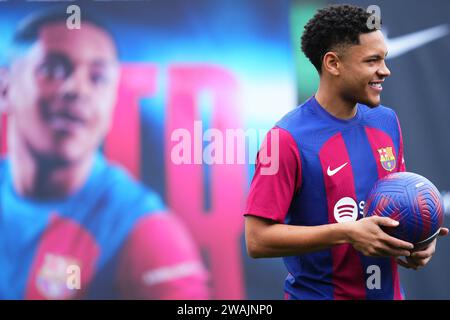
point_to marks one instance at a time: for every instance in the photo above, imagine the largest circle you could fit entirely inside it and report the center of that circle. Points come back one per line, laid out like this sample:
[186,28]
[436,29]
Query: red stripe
[401,163]
[348,274]
[379,139]
[123,142]
[218,230]
[395,278]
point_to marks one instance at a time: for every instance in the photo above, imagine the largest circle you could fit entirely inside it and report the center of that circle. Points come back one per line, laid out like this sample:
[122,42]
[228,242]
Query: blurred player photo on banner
[74,225]
[122,172]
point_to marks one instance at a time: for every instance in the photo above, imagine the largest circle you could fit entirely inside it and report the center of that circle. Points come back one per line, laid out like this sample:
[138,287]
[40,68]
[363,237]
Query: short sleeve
[277,177]
[161,261]
[401,155]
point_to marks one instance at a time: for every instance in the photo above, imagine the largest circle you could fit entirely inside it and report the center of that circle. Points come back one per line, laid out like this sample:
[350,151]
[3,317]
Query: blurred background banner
[201,65]
[227,64]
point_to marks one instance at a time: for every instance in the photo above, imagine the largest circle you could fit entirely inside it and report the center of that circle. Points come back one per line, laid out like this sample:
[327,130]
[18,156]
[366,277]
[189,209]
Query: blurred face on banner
[62,91]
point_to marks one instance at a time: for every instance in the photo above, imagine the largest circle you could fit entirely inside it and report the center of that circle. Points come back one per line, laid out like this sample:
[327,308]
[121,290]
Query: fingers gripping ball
[413,201]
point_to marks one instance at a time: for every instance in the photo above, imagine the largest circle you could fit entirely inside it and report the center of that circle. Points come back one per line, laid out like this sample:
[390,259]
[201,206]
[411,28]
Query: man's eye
[99,78]
[59,72]
[53,71]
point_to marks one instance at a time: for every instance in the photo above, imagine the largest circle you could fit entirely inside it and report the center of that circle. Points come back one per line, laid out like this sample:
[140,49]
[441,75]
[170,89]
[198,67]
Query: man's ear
[4,90]
[331,63]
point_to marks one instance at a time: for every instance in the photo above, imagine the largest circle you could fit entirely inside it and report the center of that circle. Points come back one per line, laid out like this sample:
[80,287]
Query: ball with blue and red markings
[413,201]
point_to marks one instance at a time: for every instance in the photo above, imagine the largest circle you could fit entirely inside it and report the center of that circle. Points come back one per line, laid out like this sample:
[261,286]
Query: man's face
[62,92]
[364,69]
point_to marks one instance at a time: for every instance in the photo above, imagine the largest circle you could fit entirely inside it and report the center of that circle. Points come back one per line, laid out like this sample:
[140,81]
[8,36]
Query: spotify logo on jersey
[345,210]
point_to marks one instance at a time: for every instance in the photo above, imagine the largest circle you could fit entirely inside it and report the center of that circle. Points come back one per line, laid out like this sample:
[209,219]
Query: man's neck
[328,97]
[44,180]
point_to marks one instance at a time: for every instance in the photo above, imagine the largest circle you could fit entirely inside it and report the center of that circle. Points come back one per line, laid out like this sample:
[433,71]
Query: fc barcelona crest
[387,158]
[51,279]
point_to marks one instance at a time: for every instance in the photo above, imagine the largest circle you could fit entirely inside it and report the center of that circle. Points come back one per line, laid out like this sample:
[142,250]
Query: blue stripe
[312,272]
[365,175]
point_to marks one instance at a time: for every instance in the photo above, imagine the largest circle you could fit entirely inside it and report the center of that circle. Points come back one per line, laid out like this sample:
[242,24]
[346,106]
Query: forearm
[277,240]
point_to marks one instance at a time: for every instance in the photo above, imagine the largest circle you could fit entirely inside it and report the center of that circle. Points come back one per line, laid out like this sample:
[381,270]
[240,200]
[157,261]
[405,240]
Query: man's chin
[371,103]
[59,158]
[371,106]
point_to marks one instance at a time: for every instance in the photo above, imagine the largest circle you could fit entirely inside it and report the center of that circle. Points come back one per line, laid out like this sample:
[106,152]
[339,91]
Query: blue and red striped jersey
[326,167]
[113,233]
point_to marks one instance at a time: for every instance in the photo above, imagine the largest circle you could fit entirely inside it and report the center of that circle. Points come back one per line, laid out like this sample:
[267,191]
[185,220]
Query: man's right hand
[366,236]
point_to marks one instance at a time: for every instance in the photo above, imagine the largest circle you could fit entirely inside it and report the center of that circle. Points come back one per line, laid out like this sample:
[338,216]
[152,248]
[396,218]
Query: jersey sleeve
[277,177]
[160,261]
[401,155]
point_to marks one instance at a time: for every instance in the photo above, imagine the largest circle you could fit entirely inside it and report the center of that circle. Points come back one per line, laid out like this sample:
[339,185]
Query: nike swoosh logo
[400,45]
[333,172]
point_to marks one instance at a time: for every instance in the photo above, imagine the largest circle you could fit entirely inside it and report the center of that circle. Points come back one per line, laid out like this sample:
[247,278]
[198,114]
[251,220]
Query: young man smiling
[330,155]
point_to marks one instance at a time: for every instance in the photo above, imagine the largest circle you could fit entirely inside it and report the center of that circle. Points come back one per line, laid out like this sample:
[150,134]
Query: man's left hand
[422,257]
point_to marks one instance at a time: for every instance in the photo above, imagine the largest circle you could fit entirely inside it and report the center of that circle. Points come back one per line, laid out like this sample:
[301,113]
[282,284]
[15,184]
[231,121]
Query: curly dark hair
[331,27]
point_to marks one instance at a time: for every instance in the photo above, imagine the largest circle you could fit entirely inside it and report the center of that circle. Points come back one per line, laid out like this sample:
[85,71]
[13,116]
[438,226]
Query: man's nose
[76,85]
[384,70]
